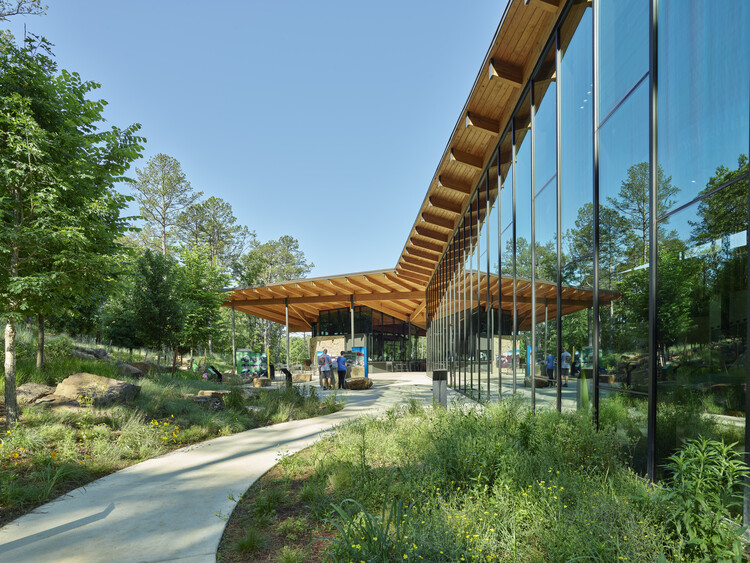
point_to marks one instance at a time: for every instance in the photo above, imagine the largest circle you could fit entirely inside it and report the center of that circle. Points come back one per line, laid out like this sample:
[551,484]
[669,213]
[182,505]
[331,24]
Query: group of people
[569,365]
[326,370]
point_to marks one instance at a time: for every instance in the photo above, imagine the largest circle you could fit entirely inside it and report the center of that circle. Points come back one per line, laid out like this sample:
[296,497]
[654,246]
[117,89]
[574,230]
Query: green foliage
[707,481]
[369,537]
[294,528]
[291,555]
[251,542]
[201,294]
[163,193]
[157,303]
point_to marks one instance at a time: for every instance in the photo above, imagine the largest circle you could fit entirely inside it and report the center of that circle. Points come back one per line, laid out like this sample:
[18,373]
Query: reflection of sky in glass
[623,142]
[545,142]
[523,205]
[492,233]
[576,167]
[623,49]
[704,72]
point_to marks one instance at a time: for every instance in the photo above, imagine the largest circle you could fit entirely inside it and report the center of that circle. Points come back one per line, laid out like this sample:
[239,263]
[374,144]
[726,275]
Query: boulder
[132,371]
[357,371]
[56,401]
[358,383]
[102,390]
[261,382]
[540,381]
[98,353]
[82,355]
[213,393]
[29,393]
[301,377]
[206,401]
[145,367]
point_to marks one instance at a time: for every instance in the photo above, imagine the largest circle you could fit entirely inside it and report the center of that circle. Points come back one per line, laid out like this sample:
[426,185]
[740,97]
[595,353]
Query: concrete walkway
[174,508]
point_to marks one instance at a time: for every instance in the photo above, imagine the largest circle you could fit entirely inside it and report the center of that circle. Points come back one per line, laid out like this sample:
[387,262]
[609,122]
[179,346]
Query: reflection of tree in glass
[632,202]
[545,256]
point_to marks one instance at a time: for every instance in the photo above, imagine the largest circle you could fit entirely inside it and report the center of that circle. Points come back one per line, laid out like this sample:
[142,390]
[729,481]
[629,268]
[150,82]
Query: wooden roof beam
[326,299]
[456,185]
[466,158]
[547,5]
[379,283]
[431,233]
[507,72]
[423,253]
[427,245]
[446,205]
[360,285]
[418,279]
[439,221]
[416,269]
[486,124]
[418,261]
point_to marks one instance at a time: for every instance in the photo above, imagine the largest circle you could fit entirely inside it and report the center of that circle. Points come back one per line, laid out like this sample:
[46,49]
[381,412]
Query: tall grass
[498,484]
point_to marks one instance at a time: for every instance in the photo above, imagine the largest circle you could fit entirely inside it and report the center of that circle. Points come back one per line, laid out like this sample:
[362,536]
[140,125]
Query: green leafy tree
[202,296]
[213,224]
[9,8]
[59,211]
[270,262]
[163,193]
[157,300]
[632,202]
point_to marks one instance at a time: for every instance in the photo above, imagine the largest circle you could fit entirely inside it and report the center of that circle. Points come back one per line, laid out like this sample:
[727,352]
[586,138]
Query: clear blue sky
[321,120]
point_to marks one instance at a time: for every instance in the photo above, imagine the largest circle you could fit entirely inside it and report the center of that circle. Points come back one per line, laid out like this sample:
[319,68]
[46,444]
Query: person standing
[324,361]
[341,364]
[550,367]
[565,365]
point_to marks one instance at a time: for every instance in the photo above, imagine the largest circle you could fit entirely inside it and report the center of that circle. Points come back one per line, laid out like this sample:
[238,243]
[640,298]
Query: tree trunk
[210,346]
[192,358]
[40,345]
[174,360]
[11,403]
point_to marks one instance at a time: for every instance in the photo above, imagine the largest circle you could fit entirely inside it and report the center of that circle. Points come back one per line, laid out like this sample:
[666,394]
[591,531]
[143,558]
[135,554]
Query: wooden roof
[398,295]
[518,43]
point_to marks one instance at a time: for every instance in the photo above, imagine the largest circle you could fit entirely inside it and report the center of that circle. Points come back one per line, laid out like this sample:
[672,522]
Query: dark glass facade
[387,338]
[617,196]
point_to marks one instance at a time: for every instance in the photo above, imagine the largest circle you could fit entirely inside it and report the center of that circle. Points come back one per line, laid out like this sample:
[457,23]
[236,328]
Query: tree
[202,296]
[632,202]
[59,212]
[212,223]
[9,8]
[157,300]
[163,193]
[271,262]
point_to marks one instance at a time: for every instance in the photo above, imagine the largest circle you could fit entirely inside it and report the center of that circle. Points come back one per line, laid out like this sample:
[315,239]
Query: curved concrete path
[174,507]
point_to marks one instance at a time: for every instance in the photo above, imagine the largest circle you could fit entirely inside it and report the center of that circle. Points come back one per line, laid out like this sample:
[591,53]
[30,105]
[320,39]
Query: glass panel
[576,199]
[493,267]
[623,50]
[623,265]
[703,94]
[702,319]
[522,125]
[505,246]
[545,227]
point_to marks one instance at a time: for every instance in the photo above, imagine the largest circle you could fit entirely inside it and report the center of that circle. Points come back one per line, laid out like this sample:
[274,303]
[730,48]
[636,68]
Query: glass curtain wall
[702,214]
[577,199]
[544,130]
[613,236]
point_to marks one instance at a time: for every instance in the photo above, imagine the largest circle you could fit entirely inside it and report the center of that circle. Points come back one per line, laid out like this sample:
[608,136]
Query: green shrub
[251,542]
[707,480]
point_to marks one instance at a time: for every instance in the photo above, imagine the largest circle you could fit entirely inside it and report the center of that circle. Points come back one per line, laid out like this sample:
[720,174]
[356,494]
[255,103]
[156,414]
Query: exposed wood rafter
[466,158]
[486,124]
[506,72]
[456,185]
